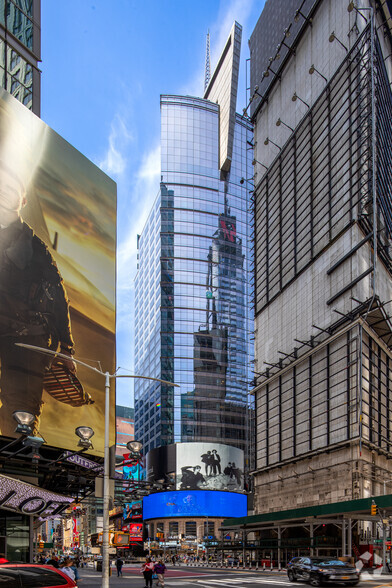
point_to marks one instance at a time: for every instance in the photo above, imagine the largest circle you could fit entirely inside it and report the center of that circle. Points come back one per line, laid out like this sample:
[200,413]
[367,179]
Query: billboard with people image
[57,281]
[209,466]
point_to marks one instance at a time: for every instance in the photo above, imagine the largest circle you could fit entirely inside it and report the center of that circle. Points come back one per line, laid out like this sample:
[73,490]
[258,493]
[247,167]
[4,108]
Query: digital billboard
[133,511]
[135,532]
[197,466]
[209,466]
[57,280]
[133,472]
[200,503]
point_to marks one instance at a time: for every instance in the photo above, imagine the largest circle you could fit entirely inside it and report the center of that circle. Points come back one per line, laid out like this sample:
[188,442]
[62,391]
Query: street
[183,577]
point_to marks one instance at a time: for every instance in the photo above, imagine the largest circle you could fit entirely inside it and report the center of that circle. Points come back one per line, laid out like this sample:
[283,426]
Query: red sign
[136,532]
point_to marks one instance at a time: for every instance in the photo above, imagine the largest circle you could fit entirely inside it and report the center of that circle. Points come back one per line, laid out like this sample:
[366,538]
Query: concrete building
[322,106]
[20,51]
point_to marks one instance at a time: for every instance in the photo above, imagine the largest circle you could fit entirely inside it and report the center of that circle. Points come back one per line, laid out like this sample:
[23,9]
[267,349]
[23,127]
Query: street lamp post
[106,486]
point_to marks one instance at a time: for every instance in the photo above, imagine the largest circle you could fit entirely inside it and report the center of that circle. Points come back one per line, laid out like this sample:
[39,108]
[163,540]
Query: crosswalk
[226,582]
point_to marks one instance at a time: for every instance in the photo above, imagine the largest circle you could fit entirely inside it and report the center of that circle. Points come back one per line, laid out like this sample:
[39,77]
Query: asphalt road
[192,577]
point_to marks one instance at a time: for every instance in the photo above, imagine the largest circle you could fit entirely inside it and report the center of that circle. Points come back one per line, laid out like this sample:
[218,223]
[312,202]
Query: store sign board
[18,496]
[83,462]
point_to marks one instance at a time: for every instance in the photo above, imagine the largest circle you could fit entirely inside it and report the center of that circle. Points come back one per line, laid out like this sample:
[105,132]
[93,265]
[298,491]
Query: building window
[190,528]
[173,529]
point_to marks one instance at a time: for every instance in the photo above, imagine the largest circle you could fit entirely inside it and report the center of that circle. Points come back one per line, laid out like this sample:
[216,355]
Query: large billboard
[209,466]
[197,466]
[57,280]
[200,503]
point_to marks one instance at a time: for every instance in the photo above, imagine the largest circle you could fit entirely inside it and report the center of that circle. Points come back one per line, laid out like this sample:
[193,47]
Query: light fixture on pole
[243,180]
[24,420]
[280,122]
[85,434]
[313,69]
[333,37]
[255,162]
[298,13]
[352,7]
[267,140]
[106,486]
[295,97]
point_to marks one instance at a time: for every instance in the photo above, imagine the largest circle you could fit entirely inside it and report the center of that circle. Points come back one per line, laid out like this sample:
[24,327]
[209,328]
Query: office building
[322,208]
[321,106]
[20,51]
[193,320]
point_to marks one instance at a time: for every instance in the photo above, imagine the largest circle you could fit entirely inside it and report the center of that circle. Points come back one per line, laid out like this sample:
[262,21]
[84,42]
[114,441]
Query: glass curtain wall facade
[193,319]
[20,50]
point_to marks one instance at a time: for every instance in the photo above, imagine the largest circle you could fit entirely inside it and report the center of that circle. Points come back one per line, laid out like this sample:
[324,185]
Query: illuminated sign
[21,497]
[133,510]
[136,532]
[197,503]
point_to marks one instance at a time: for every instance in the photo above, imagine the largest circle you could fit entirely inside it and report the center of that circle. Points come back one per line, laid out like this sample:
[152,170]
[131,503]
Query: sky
[104,65]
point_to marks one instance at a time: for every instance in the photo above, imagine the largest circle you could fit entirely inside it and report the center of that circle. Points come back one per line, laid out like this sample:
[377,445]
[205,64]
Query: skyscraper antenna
[208,64]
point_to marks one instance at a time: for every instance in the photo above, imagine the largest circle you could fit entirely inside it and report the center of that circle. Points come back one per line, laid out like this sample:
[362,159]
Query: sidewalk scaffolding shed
[341,529]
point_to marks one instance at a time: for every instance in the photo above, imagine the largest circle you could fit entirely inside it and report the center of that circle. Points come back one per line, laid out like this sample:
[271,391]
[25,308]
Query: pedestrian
[160,570]
[147,570]
[119,565]
[66,568]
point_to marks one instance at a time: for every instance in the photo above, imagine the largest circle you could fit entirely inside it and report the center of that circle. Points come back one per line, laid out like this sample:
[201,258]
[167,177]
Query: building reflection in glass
[193,318]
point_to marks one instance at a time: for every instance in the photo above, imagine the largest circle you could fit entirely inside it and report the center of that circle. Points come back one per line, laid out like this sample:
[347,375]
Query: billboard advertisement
[200,503]
[133,511]
[209,466]
[57,280]
[133,472]
[135,531]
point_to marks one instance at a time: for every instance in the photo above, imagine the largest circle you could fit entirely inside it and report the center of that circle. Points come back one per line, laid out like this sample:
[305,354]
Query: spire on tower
[208,65]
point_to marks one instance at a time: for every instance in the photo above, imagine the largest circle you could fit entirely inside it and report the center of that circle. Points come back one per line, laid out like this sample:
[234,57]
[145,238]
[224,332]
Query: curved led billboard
[199,503]
[198,466]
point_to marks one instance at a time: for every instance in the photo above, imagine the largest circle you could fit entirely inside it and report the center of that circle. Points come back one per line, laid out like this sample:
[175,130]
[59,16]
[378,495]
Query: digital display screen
[199,503]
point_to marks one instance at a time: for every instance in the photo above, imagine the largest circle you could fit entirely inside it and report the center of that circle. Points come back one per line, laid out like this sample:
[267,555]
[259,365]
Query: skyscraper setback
[192,312]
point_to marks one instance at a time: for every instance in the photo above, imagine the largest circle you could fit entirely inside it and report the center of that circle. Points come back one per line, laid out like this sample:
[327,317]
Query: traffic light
[120,539]
[373,510]
[41,544]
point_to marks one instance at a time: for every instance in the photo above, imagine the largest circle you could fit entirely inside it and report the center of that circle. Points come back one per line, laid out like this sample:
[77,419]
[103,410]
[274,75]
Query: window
[40,577]
[9,578]
[173,529]
[190,528]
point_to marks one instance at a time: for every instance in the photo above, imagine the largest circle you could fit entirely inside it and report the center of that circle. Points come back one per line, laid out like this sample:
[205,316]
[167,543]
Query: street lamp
[106,488]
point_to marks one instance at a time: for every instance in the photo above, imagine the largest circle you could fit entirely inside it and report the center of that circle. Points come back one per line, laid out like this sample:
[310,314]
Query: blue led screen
[197,503]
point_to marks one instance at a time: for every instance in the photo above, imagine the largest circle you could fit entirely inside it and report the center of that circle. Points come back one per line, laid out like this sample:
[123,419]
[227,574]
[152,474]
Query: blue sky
[104,65]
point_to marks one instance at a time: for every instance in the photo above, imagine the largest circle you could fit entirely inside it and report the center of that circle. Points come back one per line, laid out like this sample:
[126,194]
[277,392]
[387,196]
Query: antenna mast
[208,65]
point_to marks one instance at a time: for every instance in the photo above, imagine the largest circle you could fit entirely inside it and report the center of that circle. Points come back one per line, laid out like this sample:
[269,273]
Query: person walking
[119,565]
[160,570]
[147,570]
[66,568]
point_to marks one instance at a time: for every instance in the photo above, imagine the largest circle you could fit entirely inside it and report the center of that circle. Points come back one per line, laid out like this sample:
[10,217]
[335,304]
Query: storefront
[20,504]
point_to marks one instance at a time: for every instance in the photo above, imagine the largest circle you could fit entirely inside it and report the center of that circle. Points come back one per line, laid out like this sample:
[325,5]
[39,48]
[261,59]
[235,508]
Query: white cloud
[115,159]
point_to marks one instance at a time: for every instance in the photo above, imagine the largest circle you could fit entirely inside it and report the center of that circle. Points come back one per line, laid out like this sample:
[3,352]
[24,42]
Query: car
[322,570]
[33,576]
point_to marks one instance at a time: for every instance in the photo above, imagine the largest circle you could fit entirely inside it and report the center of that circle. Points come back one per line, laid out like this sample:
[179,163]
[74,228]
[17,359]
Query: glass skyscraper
[20,50]
[192,316]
